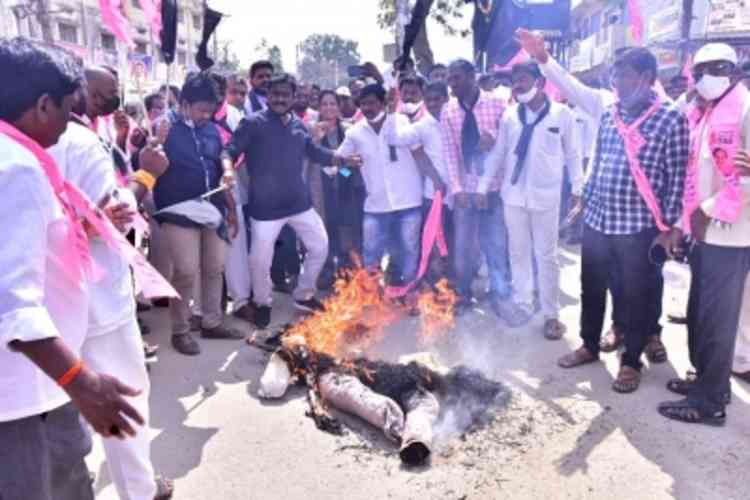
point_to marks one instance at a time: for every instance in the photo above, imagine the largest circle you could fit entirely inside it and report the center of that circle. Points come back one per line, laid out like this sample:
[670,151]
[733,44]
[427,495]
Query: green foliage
[447,13]
[323,59]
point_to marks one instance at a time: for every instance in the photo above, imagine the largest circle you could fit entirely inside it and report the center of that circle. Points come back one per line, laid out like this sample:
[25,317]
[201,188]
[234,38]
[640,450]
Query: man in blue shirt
[275,143]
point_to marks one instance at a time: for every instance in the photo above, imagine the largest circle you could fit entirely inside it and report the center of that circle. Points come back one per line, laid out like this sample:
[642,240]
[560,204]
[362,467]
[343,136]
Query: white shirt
[426,133]
[710,182]
[555,146]
[590,100]
[38,299]
[234,117]
[84,161]
[391,185]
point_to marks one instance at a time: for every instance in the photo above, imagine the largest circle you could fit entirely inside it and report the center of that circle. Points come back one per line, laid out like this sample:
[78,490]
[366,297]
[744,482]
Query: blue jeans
[377,232]
[483,230]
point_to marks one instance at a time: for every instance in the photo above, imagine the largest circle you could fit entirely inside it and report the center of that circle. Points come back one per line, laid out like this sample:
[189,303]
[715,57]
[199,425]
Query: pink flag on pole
[152,10]
[636,21]
[113,18]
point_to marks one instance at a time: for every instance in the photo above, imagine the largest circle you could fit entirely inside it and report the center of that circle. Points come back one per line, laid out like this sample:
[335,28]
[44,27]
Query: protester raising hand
[533,44]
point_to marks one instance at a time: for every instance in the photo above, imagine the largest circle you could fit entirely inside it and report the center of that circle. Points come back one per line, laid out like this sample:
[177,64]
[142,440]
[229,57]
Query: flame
[358,312]
[436,312]
[355,315]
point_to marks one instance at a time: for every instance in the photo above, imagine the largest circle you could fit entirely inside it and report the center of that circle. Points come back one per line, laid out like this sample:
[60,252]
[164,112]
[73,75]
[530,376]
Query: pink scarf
[432,234]
[723,122]
[76,257]
[634,142]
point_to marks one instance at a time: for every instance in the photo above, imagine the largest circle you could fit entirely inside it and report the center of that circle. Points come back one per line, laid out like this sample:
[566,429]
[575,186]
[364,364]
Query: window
[197,22]
[68,33]
[137,4]
[108,42]
[141,47]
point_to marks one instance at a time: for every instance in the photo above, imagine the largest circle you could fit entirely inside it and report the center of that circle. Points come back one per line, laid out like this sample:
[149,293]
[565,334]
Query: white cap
[343,91]
[715,52]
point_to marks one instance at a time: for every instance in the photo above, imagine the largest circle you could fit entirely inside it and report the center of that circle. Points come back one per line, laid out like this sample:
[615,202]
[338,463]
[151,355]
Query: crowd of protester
[261,183]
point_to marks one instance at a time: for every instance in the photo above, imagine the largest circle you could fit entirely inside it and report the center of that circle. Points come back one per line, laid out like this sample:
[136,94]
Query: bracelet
[71,374]
[146,179]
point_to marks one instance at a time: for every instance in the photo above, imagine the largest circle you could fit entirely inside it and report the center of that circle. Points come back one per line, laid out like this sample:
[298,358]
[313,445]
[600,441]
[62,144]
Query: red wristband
[71,374]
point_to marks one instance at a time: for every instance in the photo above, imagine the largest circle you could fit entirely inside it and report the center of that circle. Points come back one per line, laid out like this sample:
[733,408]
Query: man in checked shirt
[619,226]
[470,128]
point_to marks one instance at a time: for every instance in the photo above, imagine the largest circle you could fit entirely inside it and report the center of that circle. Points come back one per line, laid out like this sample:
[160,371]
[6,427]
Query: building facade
[77,26]
[600,27]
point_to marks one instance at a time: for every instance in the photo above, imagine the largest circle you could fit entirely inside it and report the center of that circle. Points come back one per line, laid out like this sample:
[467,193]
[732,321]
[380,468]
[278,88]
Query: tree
[325,58]
[447,13]
[227,60]
[272,53]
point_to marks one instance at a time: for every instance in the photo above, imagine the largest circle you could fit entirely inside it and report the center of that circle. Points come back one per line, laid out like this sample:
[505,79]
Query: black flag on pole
[211,19]
[411,31]
[168,36]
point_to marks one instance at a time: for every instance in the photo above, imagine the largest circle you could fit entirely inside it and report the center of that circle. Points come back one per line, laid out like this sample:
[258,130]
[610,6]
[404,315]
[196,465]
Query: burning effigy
[328,352]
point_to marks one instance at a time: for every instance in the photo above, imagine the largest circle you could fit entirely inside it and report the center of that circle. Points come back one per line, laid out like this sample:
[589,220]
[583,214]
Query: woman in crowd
[338,193]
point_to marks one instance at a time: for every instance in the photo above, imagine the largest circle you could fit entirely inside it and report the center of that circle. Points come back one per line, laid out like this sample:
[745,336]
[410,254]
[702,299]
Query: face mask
[411,107]
[634,98]
[378,118]
[526,97]
[110,106]
[712,87]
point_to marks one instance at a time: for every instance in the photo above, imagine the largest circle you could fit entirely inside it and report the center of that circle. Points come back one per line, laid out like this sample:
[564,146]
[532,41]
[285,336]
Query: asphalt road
[564,434]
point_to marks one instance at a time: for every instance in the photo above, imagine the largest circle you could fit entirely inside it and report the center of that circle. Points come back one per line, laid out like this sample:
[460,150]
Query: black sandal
[689,413]
[682,386]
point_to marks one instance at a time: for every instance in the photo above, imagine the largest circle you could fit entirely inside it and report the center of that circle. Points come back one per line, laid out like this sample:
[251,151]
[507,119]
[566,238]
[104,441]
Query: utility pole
[687,23]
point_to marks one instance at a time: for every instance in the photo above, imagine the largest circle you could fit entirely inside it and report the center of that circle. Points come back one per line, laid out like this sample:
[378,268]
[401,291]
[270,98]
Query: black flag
[168,34]
[211,20]
[418,19]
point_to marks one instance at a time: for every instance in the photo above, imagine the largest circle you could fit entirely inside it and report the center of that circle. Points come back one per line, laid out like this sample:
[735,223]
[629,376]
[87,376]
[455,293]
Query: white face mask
[712,87]
[527,97]
[410,107]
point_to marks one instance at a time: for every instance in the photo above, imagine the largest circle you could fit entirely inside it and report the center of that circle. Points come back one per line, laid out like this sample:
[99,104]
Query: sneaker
[184,343]
[222,332]
[262,316]
[310,305]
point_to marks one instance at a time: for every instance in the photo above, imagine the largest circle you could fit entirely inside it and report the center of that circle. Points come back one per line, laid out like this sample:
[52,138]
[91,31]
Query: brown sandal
[628,380]
[579,357]
[612,340]
[655,350]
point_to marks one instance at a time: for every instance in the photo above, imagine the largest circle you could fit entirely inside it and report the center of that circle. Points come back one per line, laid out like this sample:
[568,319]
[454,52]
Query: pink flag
[152,10]
[636,21]
[113,18]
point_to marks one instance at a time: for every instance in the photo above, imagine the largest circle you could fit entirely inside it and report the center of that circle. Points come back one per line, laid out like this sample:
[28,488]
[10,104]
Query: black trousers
[656,299]
[716,288]
[627,257]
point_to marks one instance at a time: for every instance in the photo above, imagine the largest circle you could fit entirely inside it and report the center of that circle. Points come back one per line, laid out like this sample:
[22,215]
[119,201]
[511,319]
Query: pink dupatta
[634,142]
[722,122]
